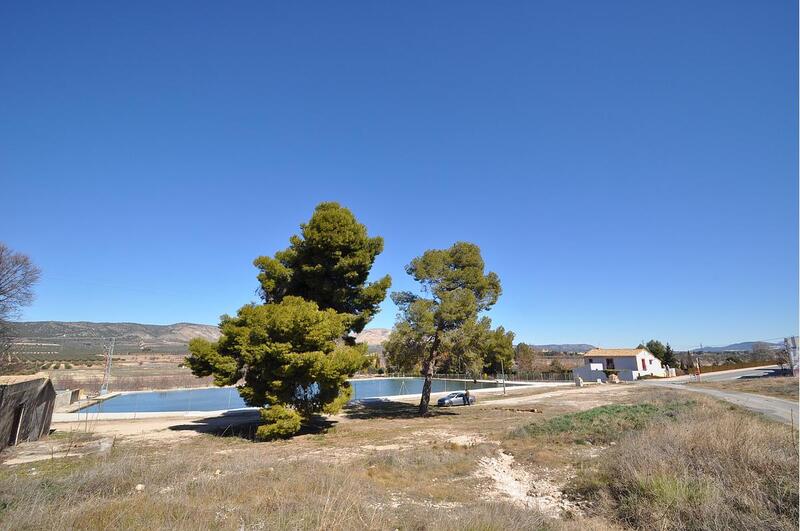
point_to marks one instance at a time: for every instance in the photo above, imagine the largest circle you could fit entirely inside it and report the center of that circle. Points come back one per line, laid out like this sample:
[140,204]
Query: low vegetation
[603,424]
[716,468]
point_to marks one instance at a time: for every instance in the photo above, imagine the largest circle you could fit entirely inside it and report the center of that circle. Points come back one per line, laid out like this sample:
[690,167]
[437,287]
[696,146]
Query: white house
[629,364]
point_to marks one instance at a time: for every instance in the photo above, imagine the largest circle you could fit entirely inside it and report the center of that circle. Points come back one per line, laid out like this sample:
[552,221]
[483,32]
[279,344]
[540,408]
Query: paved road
[776,408]
[753,372]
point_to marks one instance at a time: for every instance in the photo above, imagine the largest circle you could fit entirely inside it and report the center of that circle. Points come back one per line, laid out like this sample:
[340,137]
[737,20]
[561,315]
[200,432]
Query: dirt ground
[382,428]
[376,465]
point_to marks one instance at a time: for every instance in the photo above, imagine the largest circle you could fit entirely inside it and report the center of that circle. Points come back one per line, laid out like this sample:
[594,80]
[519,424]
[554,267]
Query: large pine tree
[295,351]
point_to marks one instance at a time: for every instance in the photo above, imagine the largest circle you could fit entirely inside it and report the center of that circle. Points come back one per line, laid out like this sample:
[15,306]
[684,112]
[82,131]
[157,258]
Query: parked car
[455,399]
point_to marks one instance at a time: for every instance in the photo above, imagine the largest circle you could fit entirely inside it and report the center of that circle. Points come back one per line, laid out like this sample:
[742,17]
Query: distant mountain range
[157,337]
[565,347]
[152,336]
[745,346]
[174,333]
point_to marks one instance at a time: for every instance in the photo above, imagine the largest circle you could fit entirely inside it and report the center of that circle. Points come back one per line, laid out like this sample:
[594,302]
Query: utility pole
[107,372]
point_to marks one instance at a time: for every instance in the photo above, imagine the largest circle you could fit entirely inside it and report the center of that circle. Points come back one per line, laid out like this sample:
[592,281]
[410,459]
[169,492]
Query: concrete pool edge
[94,417]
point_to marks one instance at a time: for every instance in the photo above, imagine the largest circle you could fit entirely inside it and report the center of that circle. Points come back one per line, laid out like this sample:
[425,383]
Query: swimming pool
[220,398]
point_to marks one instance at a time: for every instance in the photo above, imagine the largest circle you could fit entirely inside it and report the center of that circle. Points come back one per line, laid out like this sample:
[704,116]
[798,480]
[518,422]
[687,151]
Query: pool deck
[79,416]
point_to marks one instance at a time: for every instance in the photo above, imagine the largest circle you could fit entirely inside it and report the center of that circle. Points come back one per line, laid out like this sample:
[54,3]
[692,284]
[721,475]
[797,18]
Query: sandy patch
[515,484]
[52,449]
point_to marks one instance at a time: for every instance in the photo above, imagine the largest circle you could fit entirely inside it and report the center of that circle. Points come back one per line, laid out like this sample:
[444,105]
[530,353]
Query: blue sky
[628,168]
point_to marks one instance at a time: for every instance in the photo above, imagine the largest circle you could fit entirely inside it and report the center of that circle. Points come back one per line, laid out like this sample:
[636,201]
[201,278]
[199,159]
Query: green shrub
[279,423]
[67,365]
[605,423]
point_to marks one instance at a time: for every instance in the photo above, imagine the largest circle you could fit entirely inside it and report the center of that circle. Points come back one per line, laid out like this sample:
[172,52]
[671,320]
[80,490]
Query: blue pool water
[219,398]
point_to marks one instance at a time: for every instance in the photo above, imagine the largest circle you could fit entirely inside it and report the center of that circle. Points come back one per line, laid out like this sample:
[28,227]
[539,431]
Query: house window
[609,363]
[644,365]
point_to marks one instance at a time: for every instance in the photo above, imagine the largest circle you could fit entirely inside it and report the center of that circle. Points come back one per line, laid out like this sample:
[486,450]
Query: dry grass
[717,468]
[678,462]
[777,386]
[183,490]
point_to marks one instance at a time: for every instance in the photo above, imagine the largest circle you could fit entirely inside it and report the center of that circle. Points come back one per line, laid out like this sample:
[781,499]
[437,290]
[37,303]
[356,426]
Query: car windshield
[455,395]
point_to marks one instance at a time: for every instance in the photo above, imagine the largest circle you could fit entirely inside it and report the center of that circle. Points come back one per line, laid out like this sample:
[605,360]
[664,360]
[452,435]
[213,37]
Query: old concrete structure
[26,408]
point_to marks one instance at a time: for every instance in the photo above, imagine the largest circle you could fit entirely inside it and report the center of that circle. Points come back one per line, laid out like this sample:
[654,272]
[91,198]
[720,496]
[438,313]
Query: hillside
[744,346]
[135,336]
[174,333]
[373,336]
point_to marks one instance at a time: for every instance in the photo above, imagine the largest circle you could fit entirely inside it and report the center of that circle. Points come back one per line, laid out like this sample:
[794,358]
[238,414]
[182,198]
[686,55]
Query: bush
[279,423]
[716,468]
[67,365]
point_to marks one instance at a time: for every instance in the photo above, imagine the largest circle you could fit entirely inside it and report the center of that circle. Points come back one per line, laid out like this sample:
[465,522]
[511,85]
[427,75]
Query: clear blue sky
[628,168]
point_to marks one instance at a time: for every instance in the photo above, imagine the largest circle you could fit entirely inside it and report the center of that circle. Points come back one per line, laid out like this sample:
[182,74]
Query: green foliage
[663,352]
[294,353]
[669,357]
[656,348]
[279,423]
[328,263]
[605,423]
[444,326]
[557,366]
[524,358]
[476,348]
[287,353]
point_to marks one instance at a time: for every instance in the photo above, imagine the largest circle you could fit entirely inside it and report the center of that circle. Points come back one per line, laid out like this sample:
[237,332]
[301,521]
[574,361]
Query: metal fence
[535,376]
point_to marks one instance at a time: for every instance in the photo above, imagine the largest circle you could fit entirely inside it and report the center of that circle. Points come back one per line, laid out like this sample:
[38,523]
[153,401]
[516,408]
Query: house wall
[37,397]
[588,374]
[630,367]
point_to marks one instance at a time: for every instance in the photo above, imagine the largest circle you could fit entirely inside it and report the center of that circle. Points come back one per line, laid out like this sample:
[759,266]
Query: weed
[602,424]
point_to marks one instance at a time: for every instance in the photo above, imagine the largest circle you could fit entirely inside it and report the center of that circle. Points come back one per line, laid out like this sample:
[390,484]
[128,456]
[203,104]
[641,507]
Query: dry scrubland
[777,386]
[625,457]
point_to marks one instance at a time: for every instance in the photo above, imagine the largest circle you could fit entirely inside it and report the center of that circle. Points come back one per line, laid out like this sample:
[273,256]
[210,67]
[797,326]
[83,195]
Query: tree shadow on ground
[244,423]
[386,409]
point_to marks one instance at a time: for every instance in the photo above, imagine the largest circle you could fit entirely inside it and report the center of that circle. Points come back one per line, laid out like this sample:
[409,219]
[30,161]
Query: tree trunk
[428,366]
[425,399]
